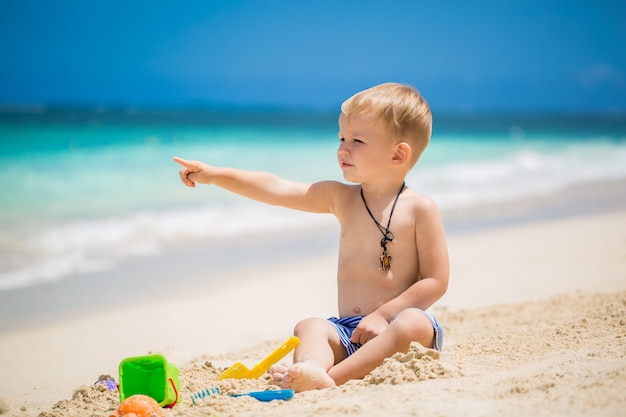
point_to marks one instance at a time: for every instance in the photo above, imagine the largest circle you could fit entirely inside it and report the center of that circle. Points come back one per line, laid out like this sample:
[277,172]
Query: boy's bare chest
[361,241]
[362,281]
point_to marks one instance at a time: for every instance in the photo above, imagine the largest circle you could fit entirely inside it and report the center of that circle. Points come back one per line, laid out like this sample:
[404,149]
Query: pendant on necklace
[385,261]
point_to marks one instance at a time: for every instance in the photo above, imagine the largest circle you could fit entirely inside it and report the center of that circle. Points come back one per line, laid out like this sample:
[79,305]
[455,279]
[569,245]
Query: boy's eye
[353,140]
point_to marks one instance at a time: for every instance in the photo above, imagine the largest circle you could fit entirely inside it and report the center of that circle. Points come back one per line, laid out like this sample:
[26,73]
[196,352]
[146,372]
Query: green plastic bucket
[149,375]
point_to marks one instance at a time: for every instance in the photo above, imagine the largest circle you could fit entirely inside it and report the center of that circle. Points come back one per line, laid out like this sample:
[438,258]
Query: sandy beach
[169,188]
[535,318]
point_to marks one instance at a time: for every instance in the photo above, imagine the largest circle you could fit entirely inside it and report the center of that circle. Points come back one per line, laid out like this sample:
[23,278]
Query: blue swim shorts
[346,325]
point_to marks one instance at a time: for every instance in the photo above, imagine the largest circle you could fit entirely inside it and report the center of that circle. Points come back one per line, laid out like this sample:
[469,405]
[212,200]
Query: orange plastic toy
[139,406]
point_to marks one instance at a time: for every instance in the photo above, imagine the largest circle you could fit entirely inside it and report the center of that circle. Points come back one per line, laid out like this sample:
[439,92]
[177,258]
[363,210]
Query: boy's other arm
[260,186]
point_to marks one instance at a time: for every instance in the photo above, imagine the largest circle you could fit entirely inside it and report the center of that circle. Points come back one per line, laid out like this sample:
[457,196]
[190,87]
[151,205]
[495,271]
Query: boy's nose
[342,150]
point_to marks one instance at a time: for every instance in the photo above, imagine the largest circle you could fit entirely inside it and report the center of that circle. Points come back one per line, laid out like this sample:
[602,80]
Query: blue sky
[463,55]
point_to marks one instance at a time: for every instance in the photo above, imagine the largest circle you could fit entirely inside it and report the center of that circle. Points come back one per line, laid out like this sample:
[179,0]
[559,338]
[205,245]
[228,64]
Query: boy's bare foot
[304,376]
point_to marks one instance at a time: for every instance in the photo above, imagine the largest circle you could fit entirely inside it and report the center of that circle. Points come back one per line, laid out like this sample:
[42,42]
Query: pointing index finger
[181,161]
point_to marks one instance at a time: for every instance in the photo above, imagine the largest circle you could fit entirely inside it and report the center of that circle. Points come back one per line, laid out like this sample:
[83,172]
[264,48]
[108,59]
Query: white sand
[535,318]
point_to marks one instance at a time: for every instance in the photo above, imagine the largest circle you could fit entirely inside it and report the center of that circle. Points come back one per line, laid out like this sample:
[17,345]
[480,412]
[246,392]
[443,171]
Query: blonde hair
[402,109]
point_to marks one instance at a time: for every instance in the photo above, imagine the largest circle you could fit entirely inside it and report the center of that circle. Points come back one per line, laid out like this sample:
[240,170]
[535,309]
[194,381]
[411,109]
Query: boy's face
[365,148]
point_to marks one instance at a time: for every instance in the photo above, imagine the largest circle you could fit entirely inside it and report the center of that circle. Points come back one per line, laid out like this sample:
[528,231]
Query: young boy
[393,259]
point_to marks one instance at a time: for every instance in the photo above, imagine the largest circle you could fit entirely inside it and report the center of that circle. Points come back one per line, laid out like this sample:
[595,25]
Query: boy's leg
[411,325]
[319,349]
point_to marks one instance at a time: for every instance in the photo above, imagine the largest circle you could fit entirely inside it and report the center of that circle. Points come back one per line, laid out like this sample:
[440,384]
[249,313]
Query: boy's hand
[370,326]
[191,171]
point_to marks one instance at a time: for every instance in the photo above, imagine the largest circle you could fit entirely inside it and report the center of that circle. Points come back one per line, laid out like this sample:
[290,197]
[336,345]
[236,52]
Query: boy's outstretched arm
[260,186]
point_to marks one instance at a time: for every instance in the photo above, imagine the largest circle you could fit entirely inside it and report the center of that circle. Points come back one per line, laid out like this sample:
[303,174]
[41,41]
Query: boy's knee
[312,323]
[413,326]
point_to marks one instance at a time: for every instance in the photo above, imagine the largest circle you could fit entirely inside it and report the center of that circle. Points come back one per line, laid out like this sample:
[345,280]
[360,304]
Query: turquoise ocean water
[84,190]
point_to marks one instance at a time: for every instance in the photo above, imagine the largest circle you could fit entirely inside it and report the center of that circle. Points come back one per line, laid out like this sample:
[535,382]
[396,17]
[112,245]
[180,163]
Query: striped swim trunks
[346,325]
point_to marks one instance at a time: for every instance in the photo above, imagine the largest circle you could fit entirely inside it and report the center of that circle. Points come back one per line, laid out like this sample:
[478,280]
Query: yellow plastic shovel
[239,370]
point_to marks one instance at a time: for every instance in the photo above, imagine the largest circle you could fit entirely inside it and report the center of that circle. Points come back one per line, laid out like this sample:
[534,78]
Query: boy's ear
[402,153]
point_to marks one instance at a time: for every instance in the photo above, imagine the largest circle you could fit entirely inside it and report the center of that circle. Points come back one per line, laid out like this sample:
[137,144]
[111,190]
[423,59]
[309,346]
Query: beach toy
[149,375]
[205,393]
[139,406]
[269,395]
[239,370]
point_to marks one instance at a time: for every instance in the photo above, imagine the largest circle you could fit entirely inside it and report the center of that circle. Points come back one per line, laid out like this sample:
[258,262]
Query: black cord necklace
[385,258]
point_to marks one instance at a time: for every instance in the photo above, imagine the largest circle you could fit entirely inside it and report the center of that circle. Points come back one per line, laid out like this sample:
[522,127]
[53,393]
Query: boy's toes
[278,373]
[294,371]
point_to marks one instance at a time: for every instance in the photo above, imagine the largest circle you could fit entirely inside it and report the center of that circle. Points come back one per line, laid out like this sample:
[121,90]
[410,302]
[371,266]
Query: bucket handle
[176,392]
